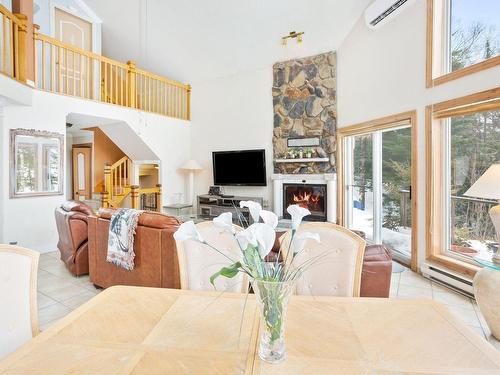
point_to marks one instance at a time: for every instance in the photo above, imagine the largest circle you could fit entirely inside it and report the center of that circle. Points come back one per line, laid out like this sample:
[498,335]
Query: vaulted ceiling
[198,40]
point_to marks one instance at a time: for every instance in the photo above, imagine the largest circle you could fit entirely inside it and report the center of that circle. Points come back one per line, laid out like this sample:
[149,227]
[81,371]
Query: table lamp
[191,166]
[488,187]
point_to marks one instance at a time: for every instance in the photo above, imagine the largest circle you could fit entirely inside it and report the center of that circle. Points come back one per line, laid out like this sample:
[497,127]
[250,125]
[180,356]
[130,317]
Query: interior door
[82,188]
[76,71]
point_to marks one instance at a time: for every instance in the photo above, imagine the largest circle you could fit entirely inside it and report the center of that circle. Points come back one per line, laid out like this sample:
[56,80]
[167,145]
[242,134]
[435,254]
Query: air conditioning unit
[382,11]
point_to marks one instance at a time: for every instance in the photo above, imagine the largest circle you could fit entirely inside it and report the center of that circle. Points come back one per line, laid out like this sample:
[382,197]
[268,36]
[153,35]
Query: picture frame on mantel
[36,163]
[303,142]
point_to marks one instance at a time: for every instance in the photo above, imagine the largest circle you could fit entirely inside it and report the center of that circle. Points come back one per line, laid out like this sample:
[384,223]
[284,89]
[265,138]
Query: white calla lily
[260,235]
[270,218]
[301,238]
[225,221]
[254,208]
[187,231]
[297,213]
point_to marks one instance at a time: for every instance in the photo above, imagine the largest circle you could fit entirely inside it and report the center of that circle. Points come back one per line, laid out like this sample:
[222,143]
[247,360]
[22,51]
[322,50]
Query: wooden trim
[434,116]
[383,123]
[34,257]
[434,44]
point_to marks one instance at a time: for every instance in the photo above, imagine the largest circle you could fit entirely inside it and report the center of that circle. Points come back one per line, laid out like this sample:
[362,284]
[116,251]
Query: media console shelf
[211,206]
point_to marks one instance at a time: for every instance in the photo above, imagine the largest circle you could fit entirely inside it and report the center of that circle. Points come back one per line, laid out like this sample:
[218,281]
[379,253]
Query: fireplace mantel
[330,179]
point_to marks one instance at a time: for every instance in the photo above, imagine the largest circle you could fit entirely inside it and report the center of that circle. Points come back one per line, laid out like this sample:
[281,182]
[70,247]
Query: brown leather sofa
[155,252]
[72,226]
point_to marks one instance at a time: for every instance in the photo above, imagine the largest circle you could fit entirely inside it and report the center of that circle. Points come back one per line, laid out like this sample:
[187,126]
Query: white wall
[233,113]
[382,72]
[30,221]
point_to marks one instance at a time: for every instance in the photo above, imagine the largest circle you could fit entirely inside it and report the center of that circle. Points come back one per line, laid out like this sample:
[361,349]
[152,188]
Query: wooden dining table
[134,330]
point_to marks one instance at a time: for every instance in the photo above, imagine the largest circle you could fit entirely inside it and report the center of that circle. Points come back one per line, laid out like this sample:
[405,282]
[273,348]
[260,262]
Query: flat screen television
[240,168]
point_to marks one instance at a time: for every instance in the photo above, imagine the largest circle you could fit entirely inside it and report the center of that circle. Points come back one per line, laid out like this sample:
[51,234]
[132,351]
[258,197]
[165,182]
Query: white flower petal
[265,236]
[270,218]
[301,238]
[246,237]
[225,221]
[186,231]
[254,209]
[297,213]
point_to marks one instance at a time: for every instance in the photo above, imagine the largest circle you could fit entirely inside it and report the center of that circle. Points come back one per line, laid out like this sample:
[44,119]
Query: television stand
[211,206]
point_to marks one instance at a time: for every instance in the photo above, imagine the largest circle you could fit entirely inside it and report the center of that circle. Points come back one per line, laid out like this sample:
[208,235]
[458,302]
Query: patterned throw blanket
[121,237]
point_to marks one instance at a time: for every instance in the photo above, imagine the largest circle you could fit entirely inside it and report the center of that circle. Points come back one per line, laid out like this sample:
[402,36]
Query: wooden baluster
[105,86]
[188,103]
[22,41]
[131,82]
[106,196]
[134,196]
[52,67]
[16,50]
[73,56]
[59,68]
[4,44]
[43,65]
[158,198]
[122,101]
[11,49]
[82,84]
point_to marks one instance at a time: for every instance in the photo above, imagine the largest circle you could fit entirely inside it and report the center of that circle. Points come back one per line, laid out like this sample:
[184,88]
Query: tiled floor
[59,292]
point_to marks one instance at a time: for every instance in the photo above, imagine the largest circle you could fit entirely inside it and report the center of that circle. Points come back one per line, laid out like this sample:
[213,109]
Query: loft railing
[65,69]
[12,37]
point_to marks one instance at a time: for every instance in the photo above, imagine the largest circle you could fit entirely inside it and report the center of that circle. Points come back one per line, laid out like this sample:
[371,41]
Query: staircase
[117,182]
[117,187]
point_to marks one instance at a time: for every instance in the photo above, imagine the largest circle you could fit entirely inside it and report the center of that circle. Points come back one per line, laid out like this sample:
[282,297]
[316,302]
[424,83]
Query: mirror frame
[13,161]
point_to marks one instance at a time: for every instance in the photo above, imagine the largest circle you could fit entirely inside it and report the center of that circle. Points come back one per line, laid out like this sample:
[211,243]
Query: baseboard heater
[450,279]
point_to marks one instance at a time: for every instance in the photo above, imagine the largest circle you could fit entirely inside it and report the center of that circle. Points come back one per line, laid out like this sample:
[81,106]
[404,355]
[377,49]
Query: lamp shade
[488,185]
[192,165]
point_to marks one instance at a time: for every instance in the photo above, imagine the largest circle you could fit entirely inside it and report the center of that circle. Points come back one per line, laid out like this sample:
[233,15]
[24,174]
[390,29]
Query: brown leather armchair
[155,262]
[72,226]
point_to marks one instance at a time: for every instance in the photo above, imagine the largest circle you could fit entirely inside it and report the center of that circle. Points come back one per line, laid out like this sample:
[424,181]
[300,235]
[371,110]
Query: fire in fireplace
[310,196]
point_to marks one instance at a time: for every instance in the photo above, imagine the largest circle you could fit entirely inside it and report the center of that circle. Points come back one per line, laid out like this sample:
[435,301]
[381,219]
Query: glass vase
[272,297]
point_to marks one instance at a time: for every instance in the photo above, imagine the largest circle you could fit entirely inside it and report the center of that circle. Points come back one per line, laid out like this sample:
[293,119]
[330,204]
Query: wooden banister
[70,70]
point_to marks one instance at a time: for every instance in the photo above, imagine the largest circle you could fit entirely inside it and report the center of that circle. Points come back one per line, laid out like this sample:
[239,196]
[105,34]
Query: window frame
[380,124]
[437,47]
[14,193]
[436,119]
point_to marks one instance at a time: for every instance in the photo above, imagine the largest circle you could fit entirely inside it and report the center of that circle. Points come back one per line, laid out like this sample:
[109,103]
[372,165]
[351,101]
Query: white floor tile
[52,313]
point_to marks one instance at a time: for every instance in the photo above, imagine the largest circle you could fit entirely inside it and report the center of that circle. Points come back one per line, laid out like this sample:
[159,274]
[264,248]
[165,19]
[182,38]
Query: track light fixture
[292,35]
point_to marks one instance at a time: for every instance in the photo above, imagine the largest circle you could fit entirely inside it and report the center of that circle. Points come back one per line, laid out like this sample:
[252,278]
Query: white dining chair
[18,311]
[197,261]
[335,263]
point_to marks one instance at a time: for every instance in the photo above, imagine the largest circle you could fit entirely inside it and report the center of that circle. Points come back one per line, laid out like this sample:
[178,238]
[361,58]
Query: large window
[463,38]
[36,163]
[463,139]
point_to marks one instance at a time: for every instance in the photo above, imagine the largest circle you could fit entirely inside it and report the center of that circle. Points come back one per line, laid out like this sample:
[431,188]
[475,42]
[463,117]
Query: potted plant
[272,282]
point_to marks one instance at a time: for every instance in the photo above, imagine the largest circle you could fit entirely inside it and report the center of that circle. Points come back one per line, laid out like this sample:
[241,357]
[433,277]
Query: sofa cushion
[148,219]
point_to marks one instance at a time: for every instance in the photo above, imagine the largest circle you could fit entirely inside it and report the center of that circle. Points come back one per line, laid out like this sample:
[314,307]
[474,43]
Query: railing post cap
[21,16]
[131,63]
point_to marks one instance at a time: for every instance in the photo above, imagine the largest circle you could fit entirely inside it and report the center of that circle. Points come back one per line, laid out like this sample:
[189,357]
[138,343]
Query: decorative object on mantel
[305,114]
[487,280]
[272,282]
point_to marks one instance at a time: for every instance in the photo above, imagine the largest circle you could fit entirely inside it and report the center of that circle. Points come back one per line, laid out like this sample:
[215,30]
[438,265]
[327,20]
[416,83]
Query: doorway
[76,71]
[82,172]
[378,184]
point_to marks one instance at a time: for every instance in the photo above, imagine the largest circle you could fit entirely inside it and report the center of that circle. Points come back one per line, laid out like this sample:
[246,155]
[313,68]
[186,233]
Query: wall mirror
[36,163]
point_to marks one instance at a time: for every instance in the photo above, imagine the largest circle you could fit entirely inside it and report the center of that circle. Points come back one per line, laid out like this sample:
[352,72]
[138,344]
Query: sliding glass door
[378,188]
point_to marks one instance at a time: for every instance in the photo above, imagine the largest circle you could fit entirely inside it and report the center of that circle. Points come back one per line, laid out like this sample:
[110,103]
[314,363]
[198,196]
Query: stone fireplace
[304,135]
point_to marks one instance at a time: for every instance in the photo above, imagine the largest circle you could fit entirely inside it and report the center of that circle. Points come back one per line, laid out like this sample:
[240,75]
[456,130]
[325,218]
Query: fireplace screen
[312,197]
